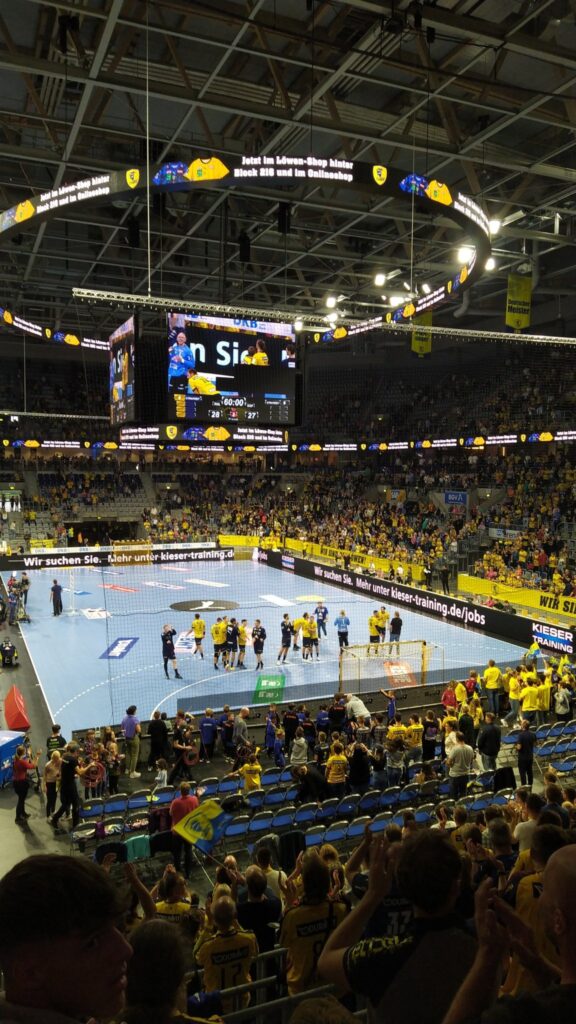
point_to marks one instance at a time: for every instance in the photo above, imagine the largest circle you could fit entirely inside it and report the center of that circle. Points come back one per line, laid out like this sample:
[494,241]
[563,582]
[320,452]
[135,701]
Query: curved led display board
[280,171]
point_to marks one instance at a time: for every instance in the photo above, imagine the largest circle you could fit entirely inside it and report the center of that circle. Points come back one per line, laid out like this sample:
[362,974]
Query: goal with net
[390,665]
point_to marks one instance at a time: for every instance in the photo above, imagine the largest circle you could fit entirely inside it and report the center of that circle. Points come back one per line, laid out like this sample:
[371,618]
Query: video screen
[236,371]
[121,387]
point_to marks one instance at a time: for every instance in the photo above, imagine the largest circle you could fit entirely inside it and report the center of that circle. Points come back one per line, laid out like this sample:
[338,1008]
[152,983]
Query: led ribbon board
[283,170]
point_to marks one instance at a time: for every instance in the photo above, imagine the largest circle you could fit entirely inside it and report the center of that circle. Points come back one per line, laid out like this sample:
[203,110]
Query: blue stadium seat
[117,804]
[274,796]
[563,745]
[227,786]
[136,821]
[163,795]
[336,832]
[511,737]
[485,780]
[271,777]
[91,809]
[327,810]
[413,768]
[348,805]
[389,798]
[305,815]
[314,836]
[141,798]
[504,796]
[356,828]
[380,822]
[255,798]
[292,793]
[409,794]
[543,731]
[284,818]
[259,824]
[557,730]
[429,791]
[236,831]
[425,815]
[370,802]
[207,789]
[570,728]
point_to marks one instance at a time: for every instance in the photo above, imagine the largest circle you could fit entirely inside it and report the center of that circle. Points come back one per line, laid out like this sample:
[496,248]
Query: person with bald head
[553,1000]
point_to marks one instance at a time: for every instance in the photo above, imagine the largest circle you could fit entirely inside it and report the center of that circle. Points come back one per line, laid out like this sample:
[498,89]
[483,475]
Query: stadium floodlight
[384,298]
[426,288]
[380,279]
[397,300]
[406,285]
[298,325]
[332,318]
[490,263]
[465,253]
[331,301]
[494,226]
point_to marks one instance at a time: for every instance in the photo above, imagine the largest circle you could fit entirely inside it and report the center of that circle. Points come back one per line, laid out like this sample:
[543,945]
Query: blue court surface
[104,652]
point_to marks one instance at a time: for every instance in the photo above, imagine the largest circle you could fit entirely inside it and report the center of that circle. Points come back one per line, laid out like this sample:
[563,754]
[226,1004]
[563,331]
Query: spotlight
[298,325]
[332,318]
[406,285]
[331,302]
[379,279]
[426,288]
[490,263]
[494,226]
[384,298]
[465,253]
[397,300]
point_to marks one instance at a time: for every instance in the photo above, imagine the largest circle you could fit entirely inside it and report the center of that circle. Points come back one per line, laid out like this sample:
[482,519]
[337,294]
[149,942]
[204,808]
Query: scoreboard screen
[220,370]
[121,381]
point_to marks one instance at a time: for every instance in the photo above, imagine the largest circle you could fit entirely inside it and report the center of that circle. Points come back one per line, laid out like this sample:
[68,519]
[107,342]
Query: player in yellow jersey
[373,633]
[298,624]
[313,637]
[218,638]
[260,357]
[307,637]
[242,634]
[198,629]
[383,619]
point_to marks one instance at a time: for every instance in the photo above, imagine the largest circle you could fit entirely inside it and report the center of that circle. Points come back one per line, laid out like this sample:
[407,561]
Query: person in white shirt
[459,764]
[525,829]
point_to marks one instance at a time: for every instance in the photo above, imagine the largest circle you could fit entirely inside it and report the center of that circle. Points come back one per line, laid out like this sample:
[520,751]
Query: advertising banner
[77,558]
[516,629]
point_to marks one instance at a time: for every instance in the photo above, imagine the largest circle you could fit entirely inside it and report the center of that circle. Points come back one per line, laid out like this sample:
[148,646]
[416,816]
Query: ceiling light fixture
[490,263]
[379,279]
[465,253]
[331,302]
[494,226]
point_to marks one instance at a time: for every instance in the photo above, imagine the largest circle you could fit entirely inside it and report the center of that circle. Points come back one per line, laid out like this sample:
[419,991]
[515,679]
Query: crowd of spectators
[379,921]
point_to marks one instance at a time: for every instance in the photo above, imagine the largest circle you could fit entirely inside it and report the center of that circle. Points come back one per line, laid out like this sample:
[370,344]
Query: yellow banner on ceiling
[518,301]
[422,338]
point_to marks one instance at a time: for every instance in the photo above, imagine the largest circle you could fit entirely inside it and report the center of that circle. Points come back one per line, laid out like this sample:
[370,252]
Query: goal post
[389,665]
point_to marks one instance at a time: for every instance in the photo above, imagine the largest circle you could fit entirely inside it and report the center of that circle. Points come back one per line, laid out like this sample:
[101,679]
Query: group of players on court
[230,637]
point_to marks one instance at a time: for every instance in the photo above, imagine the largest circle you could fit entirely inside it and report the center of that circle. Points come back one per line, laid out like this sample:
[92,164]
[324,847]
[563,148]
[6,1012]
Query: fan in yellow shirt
[461,693]
[228,955]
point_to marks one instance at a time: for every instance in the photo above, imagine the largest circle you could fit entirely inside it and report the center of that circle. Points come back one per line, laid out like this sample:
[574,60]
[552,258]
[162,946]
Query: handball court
[106,653]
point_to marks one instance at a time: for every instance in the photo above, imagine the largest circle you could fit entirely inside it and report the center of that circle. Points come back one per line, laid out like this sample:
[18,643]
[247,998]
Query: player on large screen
[224,370]
[121,380]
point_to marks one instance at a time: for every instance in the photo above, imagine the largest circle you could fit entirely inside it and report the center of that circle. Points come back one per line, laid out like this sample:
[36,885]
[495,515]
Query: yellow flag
[203,826]
[422,338]
[518,301]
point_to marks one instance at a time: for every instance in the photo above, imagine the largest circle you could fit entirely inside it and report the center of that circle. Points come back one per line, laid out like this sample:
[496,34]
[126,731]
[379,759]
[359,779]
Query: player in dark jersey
[232,633]
[168,652]
[286,630]
[258,638]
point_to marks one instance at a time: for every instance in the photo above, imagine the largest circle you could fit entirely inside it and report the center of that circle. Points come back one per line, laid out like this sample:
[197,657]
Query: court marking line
[282,602]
